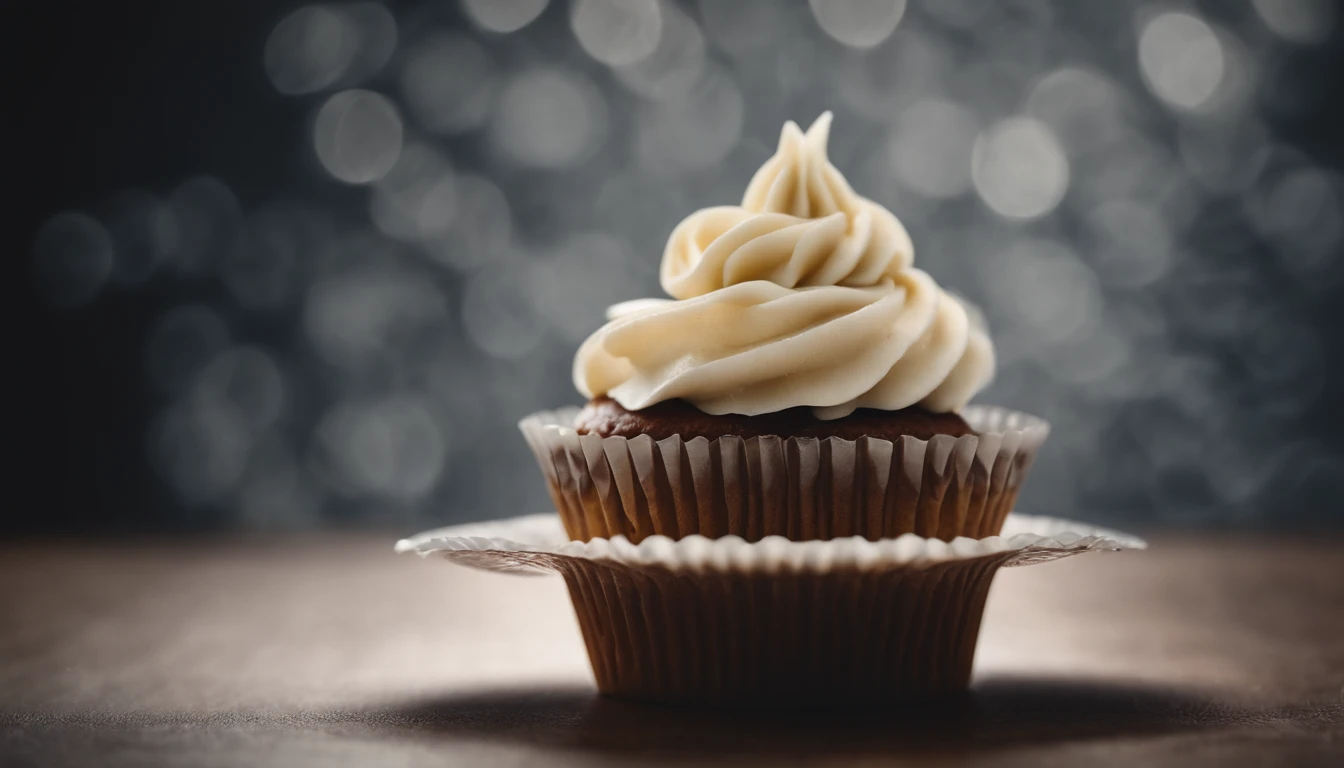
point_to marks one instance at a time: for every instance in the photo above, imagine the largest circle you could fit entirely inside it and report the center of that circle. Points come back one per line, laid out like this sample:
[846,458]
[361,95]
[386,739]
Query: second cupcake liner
[775,622]
[798,488]
[726,637]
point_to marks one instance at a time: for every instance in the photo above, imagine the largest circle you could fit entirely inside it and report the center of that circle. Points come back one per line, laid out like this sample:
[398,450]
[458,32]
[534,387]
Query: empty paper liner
[775,622]
[798,488]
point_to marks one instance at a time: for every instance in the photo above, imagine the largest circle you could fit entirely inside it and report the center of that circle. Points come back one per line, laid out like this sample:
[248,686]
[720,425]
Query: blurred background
[285,265]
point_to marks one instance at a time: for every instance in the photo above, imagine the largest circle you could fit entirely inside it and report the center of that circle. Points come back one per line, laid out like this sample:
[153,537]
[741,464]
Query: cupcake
[804,380]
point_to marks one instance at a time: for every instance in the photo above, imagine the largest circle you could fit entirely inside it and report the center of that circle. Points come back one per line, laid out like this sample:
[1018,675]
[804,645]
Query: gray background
[308,264]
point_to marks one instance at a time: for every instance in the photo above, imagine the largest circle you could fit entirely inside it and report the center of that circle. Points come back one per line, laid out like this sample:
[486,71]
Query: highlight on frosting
[803,295]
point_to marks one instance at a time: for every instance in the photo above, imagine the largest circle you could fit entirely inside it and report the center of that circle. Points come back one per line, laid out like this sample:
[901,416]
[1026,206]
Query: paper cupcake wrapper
[775,622]
[799,488]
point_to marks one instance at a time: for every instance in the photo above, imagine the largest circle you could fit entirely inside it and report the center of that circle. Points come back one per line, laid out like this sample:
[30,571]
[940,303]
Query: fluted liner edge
[799,488]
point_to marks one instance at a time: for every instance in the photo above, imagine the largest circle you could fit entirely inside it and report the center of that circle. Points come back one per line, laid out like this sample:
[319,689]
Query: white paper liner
[725,622]
[535,544]
[799,488]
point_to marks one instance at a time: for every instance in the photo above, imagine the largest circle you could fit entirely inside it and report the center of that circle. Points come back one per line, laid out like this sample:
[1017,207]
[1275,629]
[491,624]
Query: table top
[330,650]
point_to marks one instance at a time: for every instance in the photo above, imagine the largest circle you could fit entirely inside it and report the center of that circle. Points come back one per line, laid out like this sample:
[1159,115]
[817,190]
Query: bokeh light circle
[202,448]
[1096,360]
[262,269]
[449,83]
[1306,22]
[500,315]
[503,15]
[693,132]
[1281,349]
[1045,295]
[741,28]
[858,23]
[1085,109]
[309,49]
[207,215]
[617,33]
[375,35]
[959,14]
[1019,169]
[365,314]
[391,447]
[357,136]
[930,146]
[1132,246]
[248,380]
[72,259]
[572,287]
[675,65]
[417,197]
[144,234]
[1181,59]
[549,118]
[181,343]
[276,492]
[1225,156]
[1298,211]
[482,227]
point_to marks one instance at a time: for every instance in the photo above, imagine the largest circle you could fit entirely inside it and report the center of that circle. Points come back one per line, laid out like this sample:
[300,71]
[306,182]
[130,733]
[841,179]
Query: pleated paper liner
[798,488]
[773,623]
[727,638]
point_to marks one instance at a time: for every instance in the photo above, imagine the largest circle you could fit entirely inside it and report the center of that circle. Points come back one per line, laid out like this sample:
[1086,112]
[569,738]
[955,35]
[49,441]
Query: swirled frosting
[804,295]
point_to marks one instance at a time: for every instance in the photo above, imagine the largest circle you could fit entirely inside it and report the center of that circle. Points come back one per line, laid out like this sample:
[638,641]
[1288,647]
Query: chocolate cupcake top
[804,295]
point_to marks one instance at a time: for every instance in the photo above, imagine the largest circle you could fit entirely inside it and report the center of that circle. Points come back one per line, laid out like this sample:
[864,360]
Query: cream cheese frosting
[804,295]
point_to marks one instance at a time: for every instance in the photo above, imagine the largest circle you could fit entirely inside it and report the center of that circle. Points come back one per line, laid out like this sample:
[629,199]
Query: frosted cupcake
[805,380]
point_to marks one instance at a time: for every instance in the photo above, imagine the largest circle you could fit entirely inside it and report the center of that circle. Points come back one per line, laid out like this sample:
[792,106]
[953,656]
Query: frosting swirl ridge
[799,225]
[804,295]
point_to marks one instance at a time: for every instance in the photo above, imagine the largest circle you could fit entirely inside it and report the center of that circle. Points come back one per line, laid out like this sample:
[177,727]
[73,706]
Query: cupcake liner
[776,622]
[799,488]
[733,638]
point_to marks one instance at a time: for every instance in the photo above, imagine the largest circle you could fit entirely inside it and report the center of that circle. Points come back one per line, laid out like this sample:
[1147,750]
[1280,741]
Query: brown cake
[606,417]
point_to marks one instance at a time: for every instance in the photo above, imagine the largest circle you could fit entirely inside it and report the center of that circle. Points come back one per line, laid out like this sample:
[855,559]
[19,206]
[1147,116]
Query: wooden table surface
[330,650]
